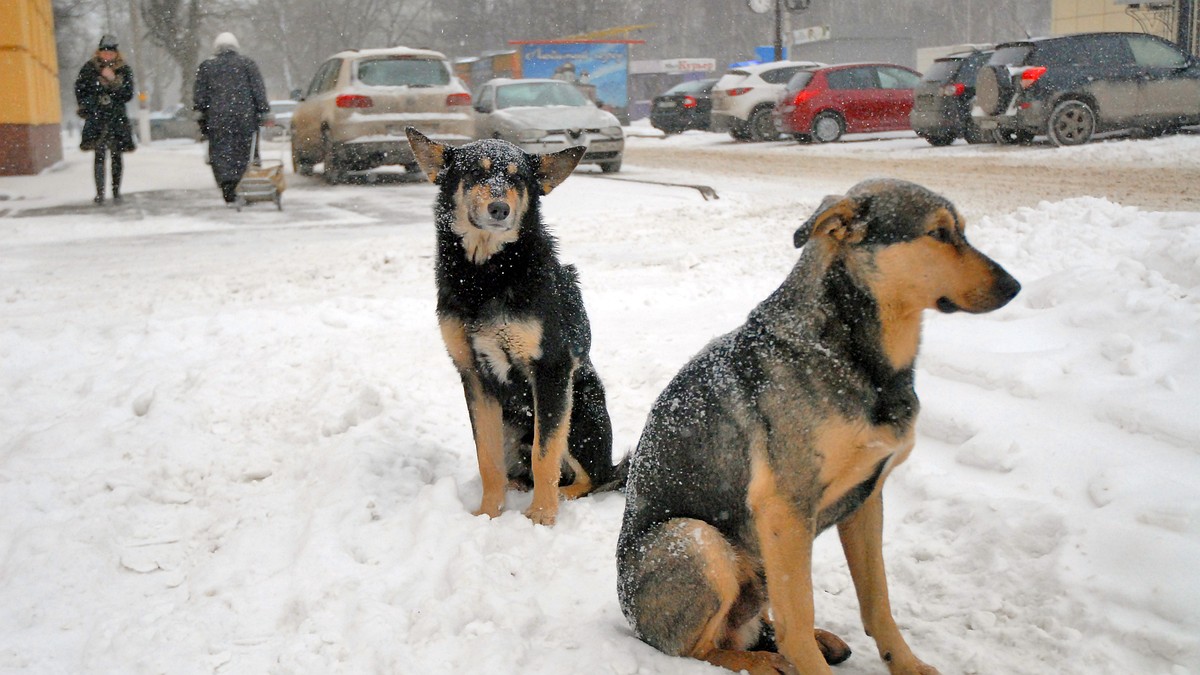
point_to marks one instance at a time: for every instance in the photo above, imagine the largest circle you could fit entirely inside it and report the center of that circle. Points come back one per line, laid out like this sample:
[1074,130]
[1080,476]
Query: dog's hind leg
[552,426]
[590,439]
[862,541]
[687,592]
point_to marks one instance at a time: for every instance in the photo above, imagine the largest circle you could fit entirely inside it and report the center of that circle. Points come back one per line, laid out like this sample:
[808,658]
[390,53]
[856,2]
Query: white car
[742,100]
[543,116]
[279,122]
[354,114]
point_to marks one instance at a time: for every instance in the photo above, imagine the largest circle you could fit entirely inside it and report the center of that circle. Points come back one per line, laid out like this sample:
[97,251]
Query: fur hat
[108,42]
[225,42]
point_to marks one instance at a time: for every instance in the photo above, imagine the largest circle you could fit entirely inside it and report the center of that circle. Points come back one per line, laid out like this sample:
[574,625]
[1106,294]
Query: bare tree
[174,26]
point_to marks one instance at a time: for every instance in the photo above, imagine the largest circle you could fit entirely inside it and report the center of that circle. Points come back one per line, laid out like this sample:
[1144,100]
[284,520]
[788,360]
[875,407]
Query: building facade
[30,111]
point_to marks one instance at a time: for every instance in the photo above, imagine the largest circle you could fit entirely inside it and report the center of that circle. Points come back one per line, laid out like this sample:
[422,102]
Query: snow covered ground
[233,443]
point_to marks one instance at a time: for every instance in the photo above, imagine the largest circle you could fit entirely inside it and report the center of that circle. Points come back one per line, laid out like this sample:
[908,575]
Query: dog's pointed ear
[431,156]
[554,168]
[836,218]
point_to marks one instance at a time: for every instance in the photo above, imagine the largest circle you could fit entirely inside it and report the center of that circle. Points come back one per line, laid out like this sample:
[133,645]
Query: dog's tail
[619,477]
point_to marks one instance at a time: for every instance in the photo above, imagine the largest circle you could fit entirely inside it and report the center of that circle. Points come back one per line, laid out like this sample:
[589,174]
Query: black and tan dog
[789,425]
[513,321]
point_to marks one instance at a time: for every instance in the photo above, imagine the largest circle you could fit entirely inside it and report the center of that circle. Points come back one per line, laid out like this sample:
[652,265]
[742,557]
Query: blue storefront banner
[604,65]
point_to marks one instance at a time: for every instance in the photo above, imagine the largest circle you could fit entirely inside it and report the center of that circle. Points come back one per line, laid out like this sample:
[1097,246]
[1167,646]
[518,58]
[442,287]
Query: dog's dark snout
[1007,287]
[498,210]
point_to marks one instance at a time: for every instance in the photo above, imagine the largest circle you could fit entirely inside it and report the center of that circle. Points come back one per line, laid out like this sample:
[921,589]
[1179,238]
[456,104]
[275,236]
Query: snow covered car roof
[390,51]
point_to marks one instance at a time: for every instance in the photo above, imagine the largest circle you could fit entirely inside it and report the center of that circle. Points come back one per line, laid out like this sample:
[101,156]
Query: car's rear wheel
[802,139]
[298,164]
[973,134]
[1012,136]
[762,127]
[611,167]
[334,172]
[939,140]
[739,131]
[827,127]
[1071,123]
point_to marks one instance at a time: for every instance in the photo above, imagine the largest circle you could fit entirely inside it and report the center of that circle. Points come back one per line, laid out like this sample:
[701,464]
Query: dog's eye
[942,234]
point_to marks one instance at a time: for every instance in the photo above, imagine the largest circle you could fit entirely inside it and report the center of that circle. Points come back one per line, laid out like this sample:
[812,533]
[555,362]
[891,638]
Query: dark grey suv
[942,102]
[1074,86]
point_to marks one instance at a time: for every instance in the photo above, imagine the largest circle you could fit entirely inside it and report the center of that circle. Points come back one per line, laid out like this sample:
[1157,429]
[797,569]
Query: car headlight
[613,132]
[530,135]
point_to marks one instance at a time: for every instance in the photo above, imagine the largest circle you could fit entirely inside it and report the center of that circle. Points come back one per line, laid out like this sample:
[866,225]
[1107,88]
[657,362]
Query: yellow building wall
[28,63]
[30,111]
[1086,16]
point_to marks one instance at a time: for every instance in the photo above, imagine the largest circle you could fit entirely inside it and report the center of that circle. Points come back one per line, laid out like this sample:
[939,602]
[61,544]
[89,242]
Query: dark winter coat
[230,98]
[102,105]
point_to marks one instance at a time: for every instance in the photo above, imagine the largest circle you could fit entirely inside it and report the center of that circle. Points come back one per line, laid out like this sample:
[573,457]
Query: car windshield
[941,70]
[403,72]
[1010,56]
[800,80]
[538,94]
[689,87]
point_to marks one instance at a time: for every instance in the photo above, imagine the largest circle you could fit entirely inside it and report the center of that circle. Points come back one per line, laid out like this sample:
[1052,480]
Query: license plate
[666,104]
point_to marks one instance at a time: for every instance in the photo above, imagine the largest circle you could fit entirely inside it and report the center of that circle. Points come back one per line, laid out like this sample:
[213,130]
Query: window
[325,77]
[403,72]
[852,78]
[780,75]
[1151,53]
[539,94]
[897,78]
[941,70]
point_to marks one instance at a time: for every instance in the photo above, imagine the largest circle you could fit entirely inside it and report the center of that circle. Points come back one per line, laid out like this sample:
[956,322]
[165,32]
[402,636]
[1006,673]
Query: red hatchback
[853,98]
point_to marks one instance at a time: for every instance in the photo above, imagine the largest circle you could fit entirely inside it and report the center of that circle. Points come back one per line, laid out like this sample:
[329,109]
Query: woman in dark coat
[231,99]
[104,86]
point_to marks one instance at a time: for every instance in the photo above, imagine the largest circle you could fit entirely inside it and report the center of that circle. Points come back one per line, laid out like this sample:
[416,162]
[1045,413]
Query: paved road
[979,182]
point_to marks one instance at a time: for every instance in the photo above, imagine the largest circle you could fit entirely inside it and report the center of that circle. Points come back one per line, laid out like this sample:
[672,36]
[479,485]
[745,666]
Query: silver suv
[742,100]
[355,111]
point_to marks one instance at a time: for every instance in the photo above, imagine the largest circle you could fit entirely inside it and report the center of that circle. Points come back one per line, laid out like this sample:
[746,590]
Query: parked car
[1072,87]
[825,103]
[353,115]
[541,116]
[743,98]
[687,105]
[173,122]
[942,101]
[279,120]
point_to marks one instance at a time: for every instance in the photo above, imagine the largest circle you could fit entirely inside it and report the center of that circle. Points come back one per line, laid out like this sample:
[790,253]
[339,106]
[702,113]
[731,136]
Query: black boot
[98,172]
[118,167]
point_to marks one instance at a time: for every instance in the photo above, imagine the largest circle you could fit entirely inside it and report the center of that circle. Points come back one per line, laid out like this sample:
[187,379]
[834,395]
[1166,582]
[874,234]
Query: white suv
[355,111]
[742,100]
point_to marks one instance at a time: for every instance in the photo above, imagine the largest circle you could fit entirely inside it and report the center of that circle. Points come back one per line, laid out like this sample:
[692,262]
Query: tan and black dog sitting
[789,425]
[513,321]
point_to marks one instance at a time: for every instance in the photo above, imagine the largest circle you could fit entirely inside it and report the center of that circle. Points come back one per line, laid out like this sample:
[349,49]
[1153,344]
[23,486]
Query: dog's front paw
[542,516]
[911,666]
[489,510]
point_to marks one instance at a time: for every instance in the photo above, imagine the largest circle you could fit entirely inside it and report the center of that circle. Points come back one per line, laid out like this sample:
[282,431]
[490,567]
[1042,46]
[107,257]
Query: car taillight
[689,102]
[1031,75]
[802,96]
[738,91]
[354,101]
[458,99]
[956,89]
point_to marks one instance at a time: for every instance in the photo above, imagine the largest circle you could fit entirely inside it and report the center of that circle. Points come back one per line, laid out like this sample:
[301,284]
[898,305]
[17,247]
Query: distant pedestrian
[104,86]
[232,102]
